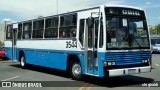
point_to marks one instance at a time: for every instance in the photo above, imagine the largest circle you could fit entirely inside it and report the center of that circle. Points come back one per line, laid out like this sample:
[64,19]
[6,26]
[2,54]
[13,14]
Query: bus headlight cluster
[144,61]
[106,64]
[111,63]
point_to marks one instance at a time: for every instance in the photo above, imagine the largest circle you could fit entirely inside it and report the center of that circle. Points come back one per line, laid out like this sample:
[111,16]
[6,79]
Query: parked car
[2,52]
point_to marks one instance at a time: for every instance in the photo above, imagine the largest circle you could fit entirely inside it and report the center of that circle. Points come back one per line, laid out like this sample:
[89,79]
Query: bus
[155,42]
[101,41]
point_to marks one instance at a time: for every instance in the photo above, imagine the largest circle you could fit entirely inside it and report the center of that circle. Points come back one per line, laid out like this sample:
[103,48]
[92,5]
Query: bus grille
[126,58]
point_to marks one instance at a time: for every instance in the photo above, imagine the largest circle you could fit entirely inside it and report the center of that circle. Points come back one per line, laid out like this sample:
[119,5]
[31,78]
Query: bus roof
[84,9]
[125,6]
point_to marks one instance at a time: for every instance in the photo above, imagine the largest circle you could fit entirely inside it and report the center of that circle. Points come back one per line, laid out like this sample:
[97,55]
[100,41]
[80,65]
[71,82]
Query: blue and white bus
[99,41]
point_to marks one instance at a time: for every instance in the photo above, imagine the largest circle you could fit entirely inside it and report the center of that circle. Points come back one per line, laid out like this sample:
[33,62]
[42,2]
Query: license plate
[130,71]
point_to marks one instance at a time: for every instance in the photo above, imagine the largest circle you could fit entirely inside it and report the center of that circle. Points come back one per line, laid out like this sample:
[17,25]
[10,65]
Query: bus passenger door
[91,36]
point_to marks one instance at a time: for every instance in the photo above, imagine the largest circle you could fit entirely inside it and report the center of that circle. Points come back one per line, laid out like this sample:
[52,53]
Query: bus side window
[27,28]
[81,31]
[38,27]
[73,32]
[96,31]
[19,31]
[68,26]
[51,27]
[25,32]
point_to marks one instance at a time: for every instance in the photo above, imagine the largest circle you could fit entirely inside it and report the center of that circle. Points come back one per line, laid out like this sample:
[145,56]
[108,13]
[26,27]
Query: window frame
[37,28]
[9,31]
[20,29]
[63,27]
[29,30]
[54,24]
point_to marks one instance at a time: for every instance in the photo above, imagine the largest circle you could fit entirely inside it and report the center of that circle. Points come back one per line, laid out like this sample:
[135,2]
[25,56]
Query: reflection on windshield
[126,33]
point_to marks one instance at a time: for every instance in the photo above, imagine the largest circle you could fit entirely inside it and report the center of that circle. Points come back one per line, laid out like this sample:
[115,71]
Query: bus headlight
[106,64]
[144,61]
[111,63]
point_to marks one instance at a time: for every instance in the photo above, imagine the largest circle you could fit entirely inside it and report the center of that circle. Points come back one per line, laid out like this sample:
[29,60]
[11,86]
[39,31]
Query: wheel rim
[76,70]
[22,61]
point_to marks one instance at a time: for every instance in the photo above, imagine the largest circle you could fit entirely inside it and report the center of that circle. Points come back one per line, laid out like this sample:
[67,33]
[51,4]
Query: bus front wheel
[76,70]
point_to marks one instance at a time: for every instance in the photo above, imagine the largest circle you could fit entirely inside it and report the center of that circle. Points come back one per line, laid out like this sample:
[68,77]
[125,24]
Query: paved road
[11,71]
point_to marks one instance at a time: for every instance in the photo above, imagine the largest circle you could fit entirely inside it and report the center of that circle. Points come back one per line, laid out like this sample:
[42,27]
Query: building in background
[2,33]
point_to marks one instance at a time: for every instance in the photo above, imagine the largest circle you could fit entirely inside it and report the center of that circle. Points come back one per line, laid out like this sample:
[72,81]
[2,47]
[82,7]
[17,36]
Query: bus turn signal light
[105,64]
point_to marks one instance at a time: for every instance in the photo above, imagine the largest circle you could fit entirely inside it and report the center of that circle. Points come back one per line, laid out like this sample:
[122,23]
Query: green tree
[158,28]
[1,43]
[152,30]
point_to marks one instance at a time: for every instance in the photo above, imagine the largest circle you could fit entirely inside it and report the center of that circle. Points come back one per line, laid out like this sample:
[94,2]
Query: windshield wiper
[130,41]
[137,42]
[123,43]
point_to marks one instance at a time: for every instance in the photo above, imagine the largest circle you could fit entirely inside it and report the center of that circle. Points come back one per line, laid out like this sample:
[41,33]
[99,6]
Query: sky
[20,10]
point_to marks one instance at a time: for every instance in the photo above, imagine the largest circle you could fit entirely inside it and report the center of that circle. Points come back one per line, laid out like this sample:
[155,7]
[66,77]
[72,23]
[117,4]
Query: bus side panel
[56,60]
[17,54]
[34,57]
[8,49]
[8,52]
[100,63]
[49,59]
[82,61]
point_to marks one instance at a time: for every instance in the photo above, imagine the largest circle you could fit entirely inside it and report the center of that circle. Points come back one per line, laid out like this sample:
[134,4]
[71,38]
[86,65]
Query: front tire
[76,70]
[23,61]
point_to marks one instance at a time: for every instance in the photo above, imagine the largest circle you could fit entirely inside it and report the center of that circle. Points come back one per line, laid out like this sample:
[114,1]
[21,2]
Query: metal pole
[57,6]
[157,24]
[5,28]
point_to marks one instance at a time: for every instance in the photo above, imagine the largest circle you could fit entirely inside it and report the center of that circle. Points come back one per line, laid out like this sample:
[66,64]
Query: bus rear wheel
[76,70]
[23,61]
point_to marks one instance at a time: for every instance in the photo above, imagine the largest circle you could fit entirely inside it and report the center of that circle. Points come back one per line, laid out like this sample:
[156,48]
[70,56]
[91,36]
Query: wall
[2,33]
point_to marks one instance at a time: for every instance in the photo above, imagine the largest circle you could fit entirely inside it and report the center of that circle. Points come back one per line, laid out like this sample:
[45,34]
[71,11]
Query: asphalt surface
[51,79]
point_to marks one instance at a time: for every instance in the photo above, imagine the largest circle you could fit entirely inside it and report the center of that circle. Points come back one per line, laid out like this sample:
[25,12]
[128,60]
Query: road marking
[84,85]
[90,86]
[157,65]
[10,78]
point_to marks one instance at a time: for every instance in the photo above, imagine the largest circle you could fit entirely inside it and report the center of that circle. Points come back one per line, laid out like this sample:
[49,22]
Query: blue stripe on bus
[56,59]
[127,58]
[8,53]
[100,63]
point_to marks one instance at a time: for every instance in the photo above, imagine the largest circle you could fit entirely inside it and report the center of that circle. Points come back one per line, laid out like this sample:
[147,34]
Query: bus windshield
[126,33]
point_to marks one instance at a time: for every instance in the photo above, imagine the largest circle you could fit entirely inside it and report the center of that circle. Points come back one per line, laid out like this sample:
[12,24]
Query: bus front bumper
[126,71]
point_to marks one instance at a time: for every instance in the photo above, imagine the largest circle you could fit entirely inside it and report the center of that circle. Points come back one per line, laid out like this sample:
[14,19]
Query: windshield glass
[126,33]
